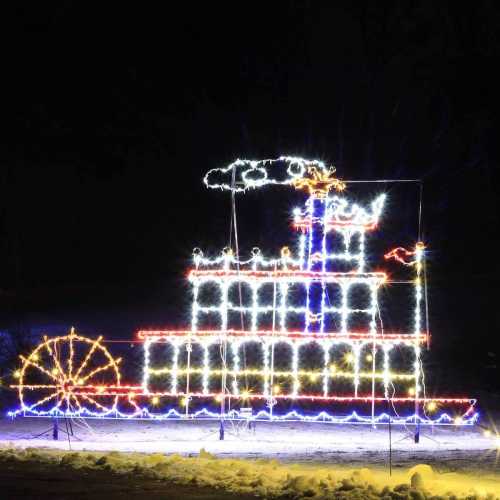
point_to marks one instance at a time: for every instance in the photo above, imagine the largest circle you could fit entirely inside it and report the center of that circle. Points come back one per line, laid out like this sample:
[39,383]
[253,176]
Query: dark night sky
[112,116]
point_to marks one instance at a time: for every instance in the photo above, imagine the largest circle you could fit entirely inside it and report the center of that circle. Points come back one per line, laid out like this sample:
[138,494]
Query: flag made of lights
[297,337]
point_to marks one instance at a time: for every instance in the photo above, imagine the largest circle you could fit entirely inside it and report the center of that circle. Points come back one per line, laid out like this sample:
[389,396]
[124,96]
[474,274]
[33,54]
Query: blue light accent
[263,415]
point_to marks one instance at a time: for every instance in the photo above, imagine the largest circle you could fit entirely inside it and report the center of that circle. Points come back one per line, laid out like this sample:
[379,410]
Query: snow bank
[271,479]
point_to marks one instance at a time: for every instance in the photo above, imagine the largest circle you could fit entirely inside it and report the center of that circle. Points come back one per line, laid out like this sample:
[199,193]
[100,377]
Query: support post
[55,429]
[390,437]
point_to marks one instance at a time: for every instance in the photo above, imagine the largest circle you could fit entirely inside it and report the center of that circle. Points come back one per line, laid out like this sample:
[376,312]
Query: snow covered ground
[445,448]
[295,459]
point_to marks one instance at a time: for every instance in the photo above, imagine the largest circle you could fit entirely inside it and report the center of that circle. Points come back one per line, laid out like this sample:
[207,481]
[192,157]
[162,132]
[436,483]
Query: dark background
[112,115]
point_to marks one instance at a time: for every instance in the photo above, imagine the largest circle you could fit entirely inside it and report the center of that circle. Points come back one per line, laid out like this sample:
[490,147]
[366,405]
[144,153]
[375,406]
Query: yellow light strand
[95,345]
[72,395]
[284,374]
[44,400]
[35,386]
[27,361]
[93,401]
[56,361]
[111,364]
[71,354]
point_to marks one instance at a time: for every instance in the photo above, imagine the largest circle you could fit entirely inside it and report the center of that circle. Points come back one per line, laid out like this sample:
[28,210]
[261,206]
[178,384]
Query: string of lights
[299,329]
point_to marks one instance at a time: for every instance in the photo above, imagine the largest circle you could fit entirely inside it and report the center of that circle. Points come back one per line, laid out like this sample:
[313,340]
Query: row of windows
[311,356]
[283,386]
[358,295]
[356,322]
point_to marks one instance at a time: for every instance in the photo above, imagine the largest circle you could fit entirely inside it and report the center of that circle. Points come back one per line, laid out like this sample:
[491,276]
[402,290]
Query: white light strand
[253,174]
[226,272]
[316,308]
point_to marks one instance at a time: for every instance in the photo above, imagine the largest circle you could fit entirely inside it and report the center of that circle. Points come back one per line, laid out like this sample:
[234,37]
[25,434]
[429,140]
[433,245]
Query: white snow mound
[271,479]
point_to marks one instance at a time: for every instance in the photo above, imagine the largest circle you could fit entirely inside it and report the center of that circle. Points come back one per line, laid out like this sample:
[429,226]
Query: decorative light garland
[312,306]
[68,387]
[322,417]
[253,174]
